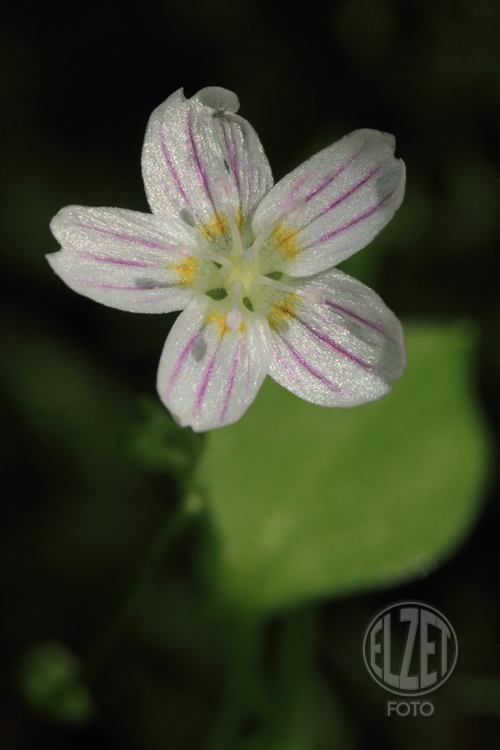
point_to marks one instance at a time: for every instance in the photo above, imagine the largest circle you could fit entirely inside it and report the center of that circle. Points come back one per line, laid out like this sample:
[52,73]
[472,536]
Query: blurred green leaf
[159,444]
[49,681]
[308,502]
[78,413]
[308,715]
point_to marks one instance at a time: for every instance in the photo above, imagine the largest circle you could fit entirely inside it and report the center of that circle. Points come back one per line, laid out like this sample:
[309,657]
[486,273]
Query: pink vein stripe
[199,166]
[284,364]
[352,191]
[123,237]
[364,321]
[306,366]
[232,152]
[206,380]
[231,382]
[334,176]
[116,261]
[293,192]
[350,224]
[180,362]
[125,288]
[172,169]
[325,340]
[172,198]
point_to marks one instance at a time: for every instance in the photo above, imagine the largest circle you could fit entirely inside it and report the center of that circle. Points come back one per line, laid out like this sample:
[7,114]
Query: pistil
[243,265]
[234,316]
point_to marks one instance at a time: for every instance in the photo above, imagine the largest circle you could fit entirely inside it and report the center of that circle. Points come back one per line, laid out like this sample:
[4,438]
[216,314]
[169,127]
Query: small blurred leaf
[159,444]
[50,682]
[309,502]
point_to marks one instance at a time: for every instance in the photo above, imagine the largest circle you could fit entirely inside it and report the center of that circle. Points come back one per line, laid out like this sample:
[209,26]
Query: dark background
[77,85]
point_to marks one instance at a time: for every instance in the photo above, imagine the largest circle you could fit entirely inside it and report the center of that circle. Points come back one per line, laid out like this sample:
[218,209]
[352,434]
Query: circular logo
[410,648]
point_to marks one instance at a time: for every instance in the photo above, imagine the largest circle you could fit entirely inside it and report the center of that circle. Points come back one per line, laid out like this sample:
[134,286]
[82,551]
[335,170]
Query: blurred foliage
[317,503]
[323,502]
[49,679]
[157,444]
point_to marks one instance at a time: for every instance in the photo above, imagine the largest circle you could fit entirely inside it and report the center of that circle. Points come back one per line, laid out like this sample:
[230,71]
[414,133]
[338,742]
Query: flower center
[241,269]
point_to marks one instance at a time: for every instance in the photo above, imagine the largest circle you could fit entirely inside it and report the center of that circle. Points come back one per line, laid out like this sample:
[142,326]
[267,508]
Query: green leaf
[159,444]
[50,681]
[309,502]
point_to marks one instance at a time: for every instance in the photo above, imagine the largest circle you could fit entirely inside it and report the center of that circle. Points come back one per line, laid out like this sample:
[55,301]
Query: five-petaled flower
[252,264]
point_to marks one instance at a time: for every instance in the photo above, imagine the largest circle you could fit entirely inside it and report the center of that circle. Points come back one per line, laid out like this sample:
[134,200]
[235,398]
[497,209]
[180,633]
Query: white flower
[251,265]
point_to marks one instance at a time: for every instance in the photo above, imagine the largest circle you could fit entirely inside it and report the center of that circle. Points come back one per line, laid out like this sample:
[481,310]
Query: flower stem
[247,702]
[171,529]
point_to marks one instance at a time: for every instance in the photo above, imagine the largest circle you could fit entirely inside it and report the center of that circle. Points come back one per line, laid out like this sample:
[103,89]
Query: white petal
[208,375]
[124,259]
[344,352]
[219,99]
[351,190]
[191,143]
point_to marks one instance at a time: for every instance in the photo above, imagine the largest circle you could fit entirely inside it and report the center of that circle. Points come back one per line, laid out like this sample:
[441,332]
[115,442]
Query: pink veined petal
[350,191]
[208,375]
[124,259]
[344,352]
[191,143]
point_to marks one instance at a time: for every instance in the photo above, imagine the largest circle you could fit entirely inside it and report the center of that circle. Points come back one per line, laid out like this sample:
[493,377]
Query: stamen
[266,281]
[234,316]
[314,294]
[223,187]
[181,251]
[294,209]
[233,320]
[309,293]
[292,212]
[225,190]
